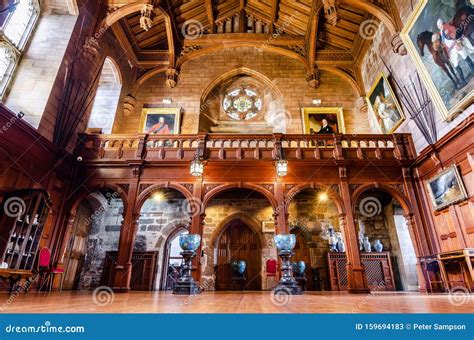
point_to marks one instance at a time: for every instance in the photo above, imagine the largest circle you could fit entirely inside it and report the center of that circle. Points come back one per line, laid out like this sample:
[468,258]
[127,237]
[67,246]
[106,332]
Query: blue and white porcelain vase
[332,239]
[285,242]
[367,245]
[238,266]
[340,246]
[299,267]
[378,246]
[189,242]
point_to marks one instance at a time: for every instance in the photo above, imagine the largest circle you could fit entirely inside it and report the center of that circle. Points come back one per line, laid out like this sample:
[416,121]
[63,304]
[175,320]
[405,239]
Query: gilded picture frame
[313,116]
[446,188]
[421,25]
[384,105]
[268,226]
[160,121]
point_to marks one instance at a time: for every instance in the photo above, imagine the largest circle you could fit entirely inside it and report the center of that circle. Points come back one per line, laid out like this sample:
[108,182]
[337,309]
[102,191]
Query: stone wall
[218,214]
[372,65]
[157,221]
[288,76]
[104,236]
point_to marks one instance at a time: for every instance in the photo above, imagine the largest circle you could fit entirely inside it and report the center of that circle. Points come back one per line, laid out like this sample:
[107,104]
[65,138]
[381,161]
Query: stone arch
[226,187]
[91,189]
[395,193]
[145,194]
[246,219]
[344,76]
[240,71]
[333,195]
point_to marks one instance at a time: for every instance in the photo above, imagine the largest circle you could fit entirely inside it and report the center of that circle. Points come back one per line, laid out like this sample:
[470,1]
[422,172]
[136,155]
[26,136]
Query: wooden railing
[96,147]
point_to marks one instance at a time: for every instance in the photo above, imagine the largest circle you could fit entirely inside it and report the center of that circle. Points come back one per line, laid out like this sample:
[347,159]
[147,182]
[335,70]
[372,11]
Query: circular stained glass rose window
[242,104]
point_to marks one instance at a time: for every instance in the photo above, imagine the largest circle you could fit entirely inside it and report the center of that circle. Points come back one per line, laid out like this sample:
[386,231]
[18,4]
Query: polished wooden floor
[233,302]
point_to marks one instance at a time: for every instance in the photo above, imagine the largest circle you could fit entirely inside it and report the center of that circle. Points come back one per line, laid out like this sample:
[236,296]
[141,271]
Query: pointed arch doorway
[238,242]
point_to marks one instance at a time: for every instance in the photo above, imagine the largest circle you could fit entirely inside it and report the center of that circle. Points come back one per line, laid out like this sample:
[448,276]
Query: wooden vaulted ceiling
[292,17]
[299,29]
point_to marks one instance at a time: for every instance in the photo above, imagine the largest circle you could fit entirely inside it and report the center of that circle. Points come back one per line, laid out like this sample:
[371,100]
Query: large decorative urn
[186,284]
[285,245]
[238,267]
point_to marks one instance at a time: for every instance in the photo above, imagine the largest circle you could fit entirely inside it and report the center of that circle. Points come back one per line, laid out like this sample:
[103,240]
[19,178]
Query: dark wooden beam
[312,35]
[210,16]
[274,15]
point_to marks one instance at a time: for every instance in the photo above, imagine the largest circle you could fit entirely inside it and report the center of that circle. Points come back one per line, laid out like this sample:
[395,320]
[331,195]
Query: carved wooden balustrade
[266,147]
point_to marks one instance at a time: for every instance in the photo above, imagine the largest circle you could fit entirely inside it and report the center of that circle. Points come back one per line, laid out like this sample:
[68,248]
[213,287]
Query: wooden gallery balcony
[361,155]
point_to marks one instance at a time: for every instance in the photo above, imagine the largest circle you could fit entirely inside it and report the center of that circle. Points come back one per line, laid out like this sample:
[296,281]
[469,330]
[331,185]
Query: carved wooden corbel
[330,11]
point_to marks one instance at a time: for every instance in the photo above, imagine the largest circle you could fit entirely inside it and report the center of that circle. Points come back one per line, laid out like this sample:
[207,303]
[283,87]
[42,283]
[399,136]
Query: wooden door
[301,253]
[239,242]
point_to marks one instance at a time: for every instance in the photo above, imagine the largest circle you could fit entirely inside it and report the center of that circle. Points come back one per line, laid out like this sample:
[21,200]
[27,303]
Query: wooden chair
[271,271]
[433,274]
[46,272]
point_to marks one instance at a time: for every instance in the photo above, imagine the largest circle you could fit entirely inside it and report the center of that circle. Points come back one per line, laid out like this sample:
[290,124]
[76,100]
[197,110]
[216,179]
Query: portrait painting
[446,188]
[385,106]
[323,120]
[439,36]
[160,121]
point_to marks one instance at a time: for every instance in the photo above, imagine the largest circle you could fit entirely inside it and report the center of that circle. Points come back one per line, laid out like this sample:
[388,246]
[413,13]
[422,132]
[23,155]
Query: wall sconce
[317,102]
[282,168]
[167,101]
[197,167]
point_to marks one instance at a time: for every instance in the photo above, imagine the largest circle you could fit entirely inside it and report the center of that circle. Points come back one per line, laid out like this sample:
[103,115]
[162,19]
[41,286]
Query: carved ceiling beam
[257,38]
[392,25]
[313,74]
[117,13]
[174,43]
[210,15]
[274,15]
[242,17]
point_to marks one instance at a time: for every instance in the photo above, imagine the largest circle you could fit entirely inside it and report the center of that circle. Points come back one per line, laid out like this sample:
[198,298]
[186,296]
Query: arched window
[106,99]
[242,103]
[15,29]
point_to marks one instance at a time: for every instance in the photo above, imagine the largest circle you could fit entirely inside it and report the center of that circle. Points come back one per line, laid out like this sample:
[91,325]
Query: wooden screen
[378,270]
[239,242]
[143,270]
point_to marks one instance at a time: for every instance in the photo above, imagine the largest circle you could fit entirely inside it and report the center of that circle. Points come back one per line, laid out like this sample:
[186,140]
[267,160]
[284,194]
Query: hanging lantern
[197,167]
[281,168]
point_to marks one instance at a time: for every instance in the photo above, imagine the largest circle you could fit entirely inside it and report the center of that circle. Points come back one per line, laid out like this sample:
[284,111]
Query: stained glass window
[242,104]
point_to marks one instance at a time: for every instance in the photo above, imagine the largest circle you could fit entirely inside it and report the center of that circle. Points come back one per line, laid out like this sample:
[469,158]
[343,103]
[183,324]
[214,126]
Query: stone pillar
[362,107]
[313,77]
[357,281]
[129,105]
[172,77]
[398,46]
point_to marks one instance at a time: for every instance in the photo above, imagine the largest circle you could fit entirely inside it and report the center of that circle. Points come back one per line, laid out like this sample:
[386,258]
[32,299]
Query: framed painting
[446,188]
[160,121]
[385,106]
[439,39]
[268,226]
[323,120]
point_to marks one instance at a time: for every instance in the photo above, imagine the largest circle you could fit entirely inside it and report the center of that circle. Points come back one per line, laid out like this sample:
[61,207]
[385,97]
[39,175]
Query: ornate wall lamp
[196,168]
[282,168]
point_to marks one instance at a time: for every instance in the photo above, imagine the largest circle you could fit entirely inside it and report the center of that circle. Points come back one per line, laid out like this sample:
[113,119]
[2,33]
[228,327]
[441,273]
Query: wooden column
[280,214]
[197,226]
[123,268]
[357,281]
[419,271]
[66,239]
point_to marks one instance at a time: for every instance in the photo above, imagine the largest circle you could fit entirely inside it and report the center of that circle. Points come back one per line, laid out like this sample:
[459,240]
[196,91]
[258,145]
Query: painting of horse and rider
[440,38]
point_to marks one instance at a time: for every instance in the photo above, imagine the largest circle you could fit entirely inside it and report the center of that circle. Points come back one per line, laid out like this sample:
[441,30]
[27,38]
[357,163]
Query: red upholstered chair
[271,271]
[45,270]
